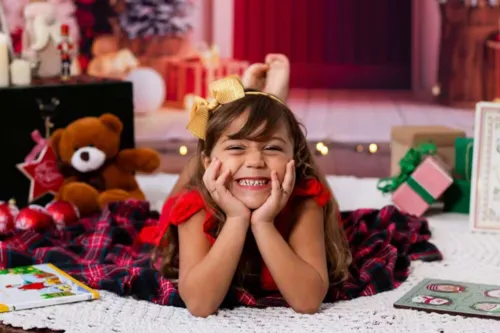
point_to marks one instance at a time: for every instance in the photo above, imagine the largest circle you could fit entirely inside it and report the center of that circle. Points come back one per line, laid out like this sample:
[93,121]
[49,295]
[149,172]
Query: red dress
[180,208]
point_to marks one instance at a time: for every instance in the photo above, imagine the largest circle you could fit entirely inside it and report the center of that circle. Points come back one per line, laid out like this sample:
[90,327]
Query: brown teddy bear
[96,171]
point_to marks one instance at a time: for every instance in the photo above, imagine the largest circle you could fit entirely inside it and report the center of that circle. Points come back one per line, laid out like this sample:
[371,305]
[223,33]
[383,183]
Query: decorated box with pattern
[185,77]
[425,185]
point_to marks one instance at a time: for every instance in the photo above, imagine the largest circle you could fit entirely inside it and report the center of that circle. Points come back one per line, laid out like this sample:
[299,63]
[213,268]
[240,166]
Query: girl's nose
[254,160]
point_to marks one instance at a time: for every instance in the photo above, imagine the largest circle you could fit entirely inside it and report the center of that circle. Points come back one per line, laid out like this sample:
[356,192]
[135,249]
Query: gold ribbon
[222,92]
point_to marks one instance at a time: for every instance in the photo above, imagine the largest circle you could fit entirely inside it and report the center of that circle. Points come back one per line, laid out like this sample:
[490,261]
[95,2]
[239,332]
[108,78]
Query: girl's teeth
[246,182]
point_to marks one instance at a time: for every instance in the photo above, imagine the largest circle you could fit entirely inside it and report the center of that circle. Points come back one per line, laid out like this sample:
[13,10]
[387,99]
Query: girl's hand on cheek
[280,193]
[215,181]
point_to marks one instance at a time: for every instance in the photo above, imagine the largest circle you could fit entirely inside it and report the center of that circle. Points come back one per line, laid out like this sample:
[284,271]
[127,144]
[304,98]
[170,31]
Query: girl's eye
[275,148]
[234,148]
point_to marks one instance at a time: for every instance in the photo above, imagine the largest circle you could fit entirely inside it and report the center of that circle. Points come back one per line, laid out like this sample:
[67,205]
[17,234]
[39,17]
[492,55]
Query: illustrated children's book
[40,285]
[454,298]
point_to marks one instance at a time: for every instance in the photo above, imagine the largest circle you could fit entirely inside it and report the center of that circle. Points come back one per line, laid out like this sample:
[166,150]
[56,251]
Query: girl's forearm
[299,283]
[206,284]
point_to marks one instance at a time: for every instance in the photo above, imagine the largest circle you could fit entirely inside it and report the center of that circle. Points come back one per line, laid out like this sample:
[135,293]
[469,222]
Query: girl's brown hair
[265,114]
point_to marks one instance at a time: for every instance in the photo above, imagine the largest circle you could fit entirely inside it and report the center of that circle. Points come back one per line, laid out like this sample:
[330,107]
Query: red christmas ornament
[33,217]
[43,173]
[63,213]
[8,214]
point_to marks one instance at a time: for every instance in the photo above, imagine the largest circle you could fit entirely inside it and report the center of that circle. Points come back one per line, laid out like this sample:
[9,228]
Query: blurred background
[358,67]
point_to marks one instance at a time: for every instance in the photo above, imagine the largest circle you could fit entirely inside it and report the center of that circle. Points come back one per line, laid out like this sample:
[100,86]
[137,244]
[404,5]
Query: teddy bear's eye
[91,145]
[76,148]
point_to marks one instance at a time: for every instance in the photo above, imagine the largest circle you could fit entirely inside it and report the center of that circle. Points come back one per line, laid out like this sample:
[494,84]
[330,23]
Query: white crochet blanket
[467,257]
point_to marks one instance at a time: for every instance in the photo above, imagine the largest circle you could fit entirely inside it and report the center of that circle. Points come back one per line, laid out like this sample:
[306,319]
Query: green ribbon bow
[408,165]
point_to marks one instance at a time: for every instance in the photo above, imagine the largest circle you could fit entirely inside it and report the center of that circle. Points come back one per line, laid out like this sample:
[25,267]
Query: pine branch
[148,18]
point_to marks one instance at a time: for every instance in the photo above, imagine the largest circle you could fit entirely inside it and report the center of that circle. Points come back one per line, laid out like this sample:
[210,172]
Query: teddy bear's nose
[84,155]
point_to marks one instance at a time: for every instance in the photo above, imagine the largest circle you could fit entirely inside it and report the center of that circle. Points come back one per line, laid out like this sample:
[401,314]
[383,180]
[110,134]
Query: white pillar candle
[20,72]
[4,61]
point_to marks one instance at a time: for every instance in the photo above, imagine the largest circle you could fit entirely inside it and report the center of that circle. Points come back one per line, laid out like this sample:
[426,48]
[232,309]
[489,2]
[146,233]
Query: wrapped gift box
[405,137]
[457,197]
[185,77]
[425,185]
[464,150]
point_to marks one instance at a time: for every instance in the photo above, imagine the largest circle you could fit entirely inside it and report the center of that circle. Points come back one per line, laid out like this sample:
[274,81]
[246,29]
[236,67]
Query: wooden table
[492,70]
[464,33]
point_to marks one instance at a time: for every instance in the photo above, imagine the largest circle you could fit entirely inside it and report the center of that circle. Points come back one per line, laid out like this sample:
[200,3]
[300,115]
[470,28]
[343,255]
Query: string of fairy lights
[322,148]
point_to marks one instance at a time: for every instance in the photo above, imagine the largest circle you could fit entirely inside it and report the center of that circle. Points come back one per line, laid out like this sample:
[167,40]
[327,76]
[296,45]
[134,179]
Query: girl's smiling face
[251,161]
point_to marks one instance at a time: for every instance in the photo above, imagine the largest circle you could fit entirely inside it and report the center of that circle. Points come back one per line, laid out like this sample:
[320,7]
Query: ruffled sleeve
[175,211]
[312,188]
[179,209]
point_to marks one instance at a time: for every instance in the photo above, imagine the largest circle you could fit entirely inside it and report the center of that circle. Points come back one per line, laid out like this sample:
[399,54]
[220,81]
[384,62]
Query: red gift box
[193,77]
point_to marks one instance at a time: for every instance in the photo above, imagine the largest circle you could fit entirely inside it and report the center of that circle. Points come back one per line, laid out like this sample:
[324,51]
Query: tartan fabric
[101,251]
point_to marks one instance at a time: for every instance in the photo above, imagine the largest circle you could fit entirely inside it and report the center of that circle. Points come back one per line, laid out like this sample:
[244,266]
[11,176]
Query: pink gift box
[426,184]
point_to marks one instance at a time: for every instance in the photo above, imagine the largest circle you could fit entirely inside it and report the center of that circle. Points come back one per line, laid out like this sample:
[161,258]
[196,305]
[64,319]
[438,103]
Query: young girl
[271,76]
[256,214]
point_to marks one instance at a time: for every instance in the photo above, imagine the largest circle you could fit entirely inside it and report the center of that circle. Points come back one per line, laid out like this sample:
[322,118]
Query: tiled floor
[368,116]
[342,119]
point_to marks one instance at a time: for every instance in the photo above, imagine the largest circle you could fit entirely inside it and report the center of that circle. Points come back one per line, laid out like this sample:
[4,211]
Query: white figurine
[41,36]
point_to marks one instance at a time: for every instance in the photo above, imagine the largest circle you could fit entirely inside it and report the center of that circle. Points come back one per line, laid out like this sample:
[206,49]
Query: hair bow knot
[222,92]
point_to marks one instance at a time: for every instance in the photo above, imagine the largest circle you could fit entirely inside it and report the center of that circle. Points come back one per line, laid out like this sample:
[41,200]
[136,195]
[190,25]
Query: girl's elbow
[307,308]
[310,304]
[198,302]
[201,310]
[198,305]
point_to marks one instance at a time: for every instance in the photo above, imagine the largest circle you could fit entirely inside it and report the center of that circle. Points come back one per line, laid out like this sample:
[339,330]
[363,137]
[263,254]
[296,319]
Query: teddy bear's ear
[55,138]
[112,122]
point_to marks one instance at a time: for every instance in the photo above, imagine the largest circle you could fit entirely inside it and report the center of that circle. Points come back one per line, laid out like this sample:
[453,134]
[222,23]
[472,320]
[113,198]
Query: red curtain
[330,43]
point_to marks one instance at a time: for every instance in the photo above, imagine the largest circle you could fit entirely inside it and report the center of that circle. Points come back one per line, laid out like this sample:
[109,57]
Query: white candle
[4,61]
[20,72]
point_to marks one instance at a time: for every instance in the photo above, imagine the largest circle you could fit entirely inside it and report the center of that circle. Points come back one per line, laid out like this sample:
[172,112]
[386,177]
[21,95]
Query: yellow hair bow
[222,92]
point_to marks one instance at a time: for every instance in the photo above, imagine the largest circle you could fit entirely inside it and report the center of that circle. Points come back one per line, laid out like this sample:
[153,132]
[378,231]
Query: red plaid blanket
[100,251]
